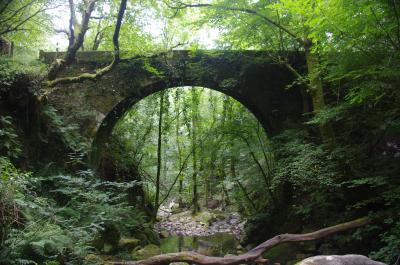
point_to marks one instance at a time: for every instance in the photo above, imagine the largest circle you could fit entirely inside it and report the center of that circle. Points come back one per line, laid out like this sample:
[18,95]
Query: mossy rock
[164,234]
[111,234]
[205,217]
[92,258]
[147,236]
[146,252]
[108,248]
[128,244]
[108,239]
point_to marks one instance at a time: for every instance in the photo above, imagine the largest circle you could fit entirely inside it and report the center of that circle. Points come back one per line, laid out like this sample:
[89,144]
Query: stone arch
[251,77]
[107,125]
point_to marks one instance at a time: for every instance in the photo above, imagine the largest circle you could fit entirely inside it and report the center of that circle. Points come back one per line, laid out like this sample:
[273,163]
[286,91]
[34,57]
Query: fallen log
[252,256]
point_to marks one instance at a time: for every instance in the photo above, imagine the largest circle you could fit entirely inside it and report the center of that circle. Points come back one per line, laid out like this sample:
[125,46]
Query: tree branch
[252,256]
[75,39]
[396,13]
[388,37]
[15,26]
[101,72]
[64,31]
[182,5]
[5,5]
[17,11]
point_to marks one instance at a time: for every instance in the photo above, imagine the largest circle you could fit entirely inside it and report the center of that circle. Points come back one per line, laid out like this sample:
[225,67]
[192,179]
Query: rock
[203,224]
[339,260]
[164,234]
[128,243]
[92,258]
[108,248]
[146,252]
[204,217]
[152,236]
[213,204]
[147,236]
[108,239]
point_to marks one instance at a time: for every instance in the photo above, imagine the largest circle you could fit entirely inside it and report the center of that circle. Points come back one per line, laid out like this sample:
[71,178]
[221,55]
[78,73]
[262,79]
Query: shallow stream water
[220,244]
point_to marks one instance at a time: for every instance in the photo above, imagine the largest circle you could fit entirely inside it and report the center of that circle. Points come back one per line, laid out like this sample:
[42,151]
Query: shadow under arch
[106,127]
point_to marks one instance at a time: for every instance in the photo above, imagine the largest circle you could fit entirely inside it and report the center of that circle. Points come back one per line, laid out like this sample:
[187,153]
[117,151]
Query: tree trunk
[178,143]
[242,188]
[159,143]
[317,95]
[195,110]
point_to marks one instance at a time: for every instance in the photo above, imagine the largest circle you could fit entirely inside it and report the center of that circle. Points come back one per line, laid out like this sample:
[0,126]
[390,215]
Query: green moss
[146,252]
[128,244]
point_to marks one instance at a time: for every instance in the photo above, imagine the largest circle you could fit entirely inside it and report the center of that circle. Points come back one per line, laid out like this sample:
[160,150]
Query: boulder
[204,217]
[339,260]
[164,234]
[92,258]
[128,243]
[147,236]
[107,241]
[213,204]
[146,252]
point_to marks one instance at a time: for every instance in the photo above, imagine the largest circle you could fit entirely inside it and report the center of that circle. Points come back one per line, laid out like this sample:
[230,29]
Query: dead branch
[252,256]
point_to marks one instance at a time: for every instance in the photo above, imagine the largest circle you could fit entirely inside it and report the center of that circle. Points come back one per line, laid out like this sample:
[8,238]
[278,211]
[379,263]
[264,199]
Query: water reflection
[215,245]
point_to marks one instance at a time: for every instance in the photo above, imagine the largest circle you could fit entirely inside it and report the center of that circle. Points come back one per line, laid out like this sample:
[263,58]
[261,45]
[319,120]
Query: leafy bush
[62,215]
[11,70]
[12,185]
[9,143]
[69,133]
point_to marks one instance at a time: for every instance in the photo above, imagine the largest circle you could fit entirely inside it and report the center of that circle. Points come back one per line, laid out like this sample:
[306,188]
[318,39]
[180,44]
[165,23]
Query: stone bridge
[251,77]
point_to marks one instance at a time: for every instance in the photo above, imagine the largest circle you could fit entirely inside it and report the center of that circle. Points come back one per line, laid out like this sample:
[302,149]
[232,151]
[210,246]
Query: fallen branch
[252,256]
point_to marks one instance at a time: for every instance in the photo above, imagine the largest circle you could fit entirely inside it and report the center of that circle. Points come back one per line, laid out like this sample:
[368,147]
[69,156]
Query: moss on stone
[146,252]
[128,244]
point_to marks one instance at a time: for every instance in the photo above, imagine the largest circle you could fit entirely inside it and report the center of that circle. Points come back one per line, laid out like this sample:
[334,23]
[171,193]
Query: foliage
[391,238]
[61,215]
[12,185]
[68,133]
[212,147]
[26,22]
[9,143]
[12,71]
[219,138]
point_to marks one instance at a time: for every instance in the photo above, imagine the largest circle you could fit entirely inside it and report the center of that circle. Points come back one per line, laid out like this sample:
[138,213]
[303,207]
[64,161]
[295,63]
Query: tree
[177,110]
[22,15]
[76,37]
[298,34]
[159,154]
[195,101]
